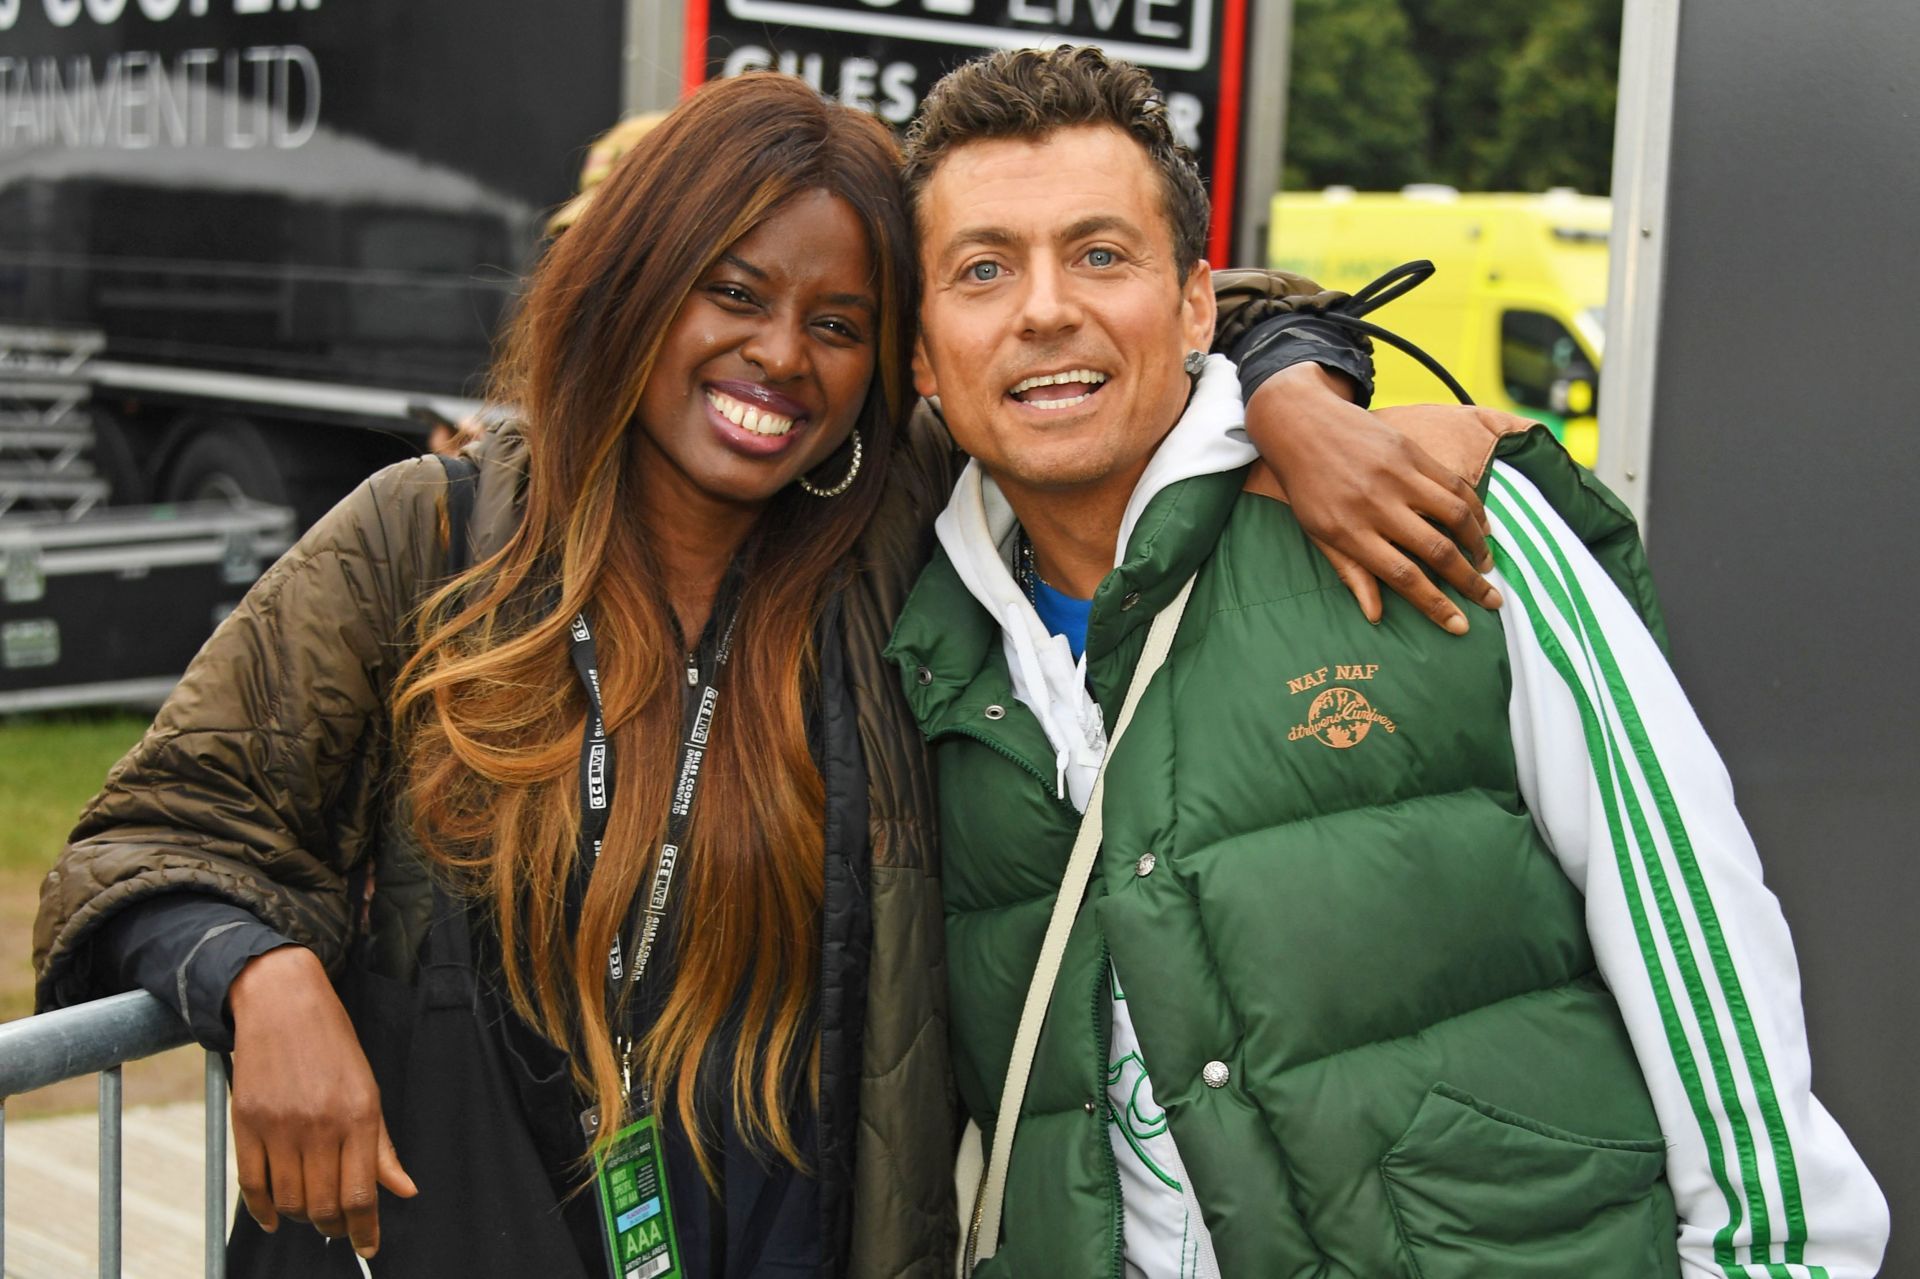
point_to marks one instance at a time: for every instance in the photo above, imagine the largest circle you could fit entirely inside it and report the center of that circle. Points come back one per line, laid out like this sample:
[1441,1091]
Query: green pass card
[633,1204]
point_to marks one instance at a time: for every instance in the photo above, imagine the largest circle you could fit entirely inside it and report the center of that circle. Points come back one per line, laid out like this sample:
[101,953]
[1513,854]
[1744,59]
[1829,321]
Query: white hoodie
[977,532]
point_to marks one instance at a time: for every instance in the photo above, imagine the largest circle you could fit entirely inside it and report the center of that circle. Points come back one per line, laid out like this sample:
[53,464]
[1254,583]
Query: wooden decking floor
[52,1201]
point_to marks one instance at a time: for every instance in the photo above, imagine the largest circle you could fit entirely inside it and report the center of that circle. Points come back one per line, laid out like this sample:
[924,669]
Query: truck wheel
[116,461]
[226,462]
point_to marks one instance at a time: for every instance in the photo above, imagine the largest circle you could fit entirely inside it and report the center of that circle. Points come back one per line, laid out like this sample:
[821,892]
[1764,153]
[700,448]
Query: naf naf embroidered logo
[1339,716]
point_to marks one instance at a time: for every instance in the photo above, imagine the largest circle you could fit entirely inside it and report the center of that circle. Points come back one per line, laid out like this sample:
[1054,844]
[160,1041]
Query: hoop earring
[844,484]
[1195,362]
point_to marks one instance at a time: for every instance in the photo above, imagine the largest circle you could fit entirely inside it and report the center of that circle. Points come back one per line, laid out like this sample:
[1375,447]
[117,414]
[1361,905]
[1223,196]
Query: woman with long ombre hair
[545,835]
[576,763]
[785,266]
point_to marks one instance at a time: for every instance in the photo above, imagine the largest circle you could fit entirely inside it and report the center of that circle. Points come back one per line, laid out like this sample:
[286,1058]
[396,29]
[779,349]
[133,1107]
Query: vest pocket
[1478,1192]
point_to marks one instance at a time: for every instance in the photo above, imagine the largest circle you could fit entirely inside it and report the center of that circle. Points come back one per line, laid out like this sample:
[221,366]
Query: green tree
[1464,45]
[1487,95]
[1556,100]
[1357,101]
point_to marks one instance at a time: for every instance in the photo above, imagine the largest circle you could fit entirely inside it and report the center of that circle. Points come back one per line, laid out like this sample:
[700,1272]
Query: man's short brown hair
[1030,93]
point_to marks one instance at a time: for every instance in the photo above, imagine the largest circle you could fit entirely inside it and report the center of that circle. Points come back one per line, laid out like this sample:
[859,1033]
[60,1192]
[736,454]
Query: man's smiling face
[1054,320]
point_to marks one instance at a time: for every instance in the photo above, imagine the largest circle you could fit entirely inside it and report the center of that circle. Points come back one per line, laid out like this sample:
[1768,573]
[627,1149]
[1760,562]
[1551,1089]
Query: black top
[186,949]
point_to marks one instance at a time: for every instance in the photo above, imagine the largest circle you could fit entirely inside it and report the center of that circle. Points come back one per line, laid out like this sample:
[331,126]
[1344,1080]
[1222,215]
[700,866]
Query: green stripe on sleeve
[1698,892]
[1600,752]
[1649,860]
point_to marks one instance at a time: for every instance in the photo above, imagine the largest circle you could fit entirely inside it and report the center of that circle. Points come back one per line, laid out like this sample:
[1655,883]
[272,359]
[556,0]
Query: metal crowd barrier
[100,1037]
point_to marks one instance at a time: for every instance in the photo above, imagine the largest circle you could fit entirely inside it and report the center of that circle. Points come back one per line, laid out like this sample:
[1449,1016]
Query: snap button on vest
[1087,1106]
[1128,600]
[1215,1074]
[1145,865]
[924,676]
[995,711]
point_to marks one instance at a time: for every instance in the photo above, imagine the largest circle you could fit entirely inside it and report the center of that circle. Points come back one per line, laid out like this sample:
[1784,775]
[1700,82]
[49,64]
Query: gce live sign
[1174,35]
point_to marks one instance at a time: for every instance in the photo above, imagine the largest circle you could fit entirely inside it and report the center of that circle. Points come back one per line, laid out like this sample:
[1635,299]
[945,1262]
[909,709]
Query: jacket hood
[977,531]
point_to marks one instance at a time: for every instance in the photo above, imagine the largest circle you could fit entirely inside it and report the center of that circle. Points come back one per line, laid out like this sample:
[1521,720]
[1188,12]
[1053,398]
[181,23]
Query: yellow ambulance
[1515,309]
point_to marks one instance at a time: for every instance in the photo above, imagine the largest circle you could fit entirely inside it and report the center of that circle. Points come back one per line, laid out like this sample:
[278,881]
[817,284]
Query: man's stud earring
[1196,361]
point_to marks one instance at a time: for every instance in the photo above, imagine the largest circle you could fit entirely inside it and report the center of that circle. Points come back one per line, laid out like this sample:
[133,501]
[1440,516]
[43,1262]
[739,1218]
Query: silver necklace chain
[1024,571]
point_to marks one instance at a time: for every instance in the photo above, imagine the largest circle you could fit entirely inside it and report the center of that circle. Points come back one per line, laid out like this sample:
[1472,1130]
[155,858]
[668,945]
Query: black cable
[1396,283]
[1389,287]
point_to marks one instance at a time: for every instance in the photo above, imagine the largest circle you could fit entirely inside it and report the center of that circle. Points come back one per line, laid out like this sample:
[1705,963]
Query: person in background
[445,436]
[602,155]
[449,438]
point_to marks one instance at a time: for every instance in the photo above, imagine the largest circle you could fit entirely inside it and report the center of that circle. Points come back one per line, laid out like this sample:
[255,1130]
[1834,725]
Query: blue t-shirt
[1062,614]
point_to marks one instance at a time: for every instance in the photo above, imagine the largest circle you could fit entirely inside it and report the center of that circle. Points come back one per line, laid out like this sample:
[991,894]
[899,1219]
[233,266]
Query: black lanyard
[596,792]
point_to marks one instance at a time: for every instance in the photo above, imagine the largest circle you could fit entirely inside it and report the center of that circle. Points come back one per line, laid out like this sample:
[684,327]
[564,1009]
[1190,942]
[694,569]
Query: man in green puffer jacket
[1405,955]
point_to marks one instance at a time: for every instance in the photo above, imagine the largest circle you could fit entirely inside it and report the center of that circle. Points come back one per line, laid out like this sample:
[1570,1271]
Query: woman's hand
[308,1134]
[1375,503]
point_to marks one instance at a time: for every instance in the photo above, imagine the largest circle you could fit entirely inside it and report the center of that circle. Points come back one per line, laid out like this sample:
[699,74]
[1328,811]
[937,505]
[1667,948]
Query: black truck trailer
[248,248]
[287,221]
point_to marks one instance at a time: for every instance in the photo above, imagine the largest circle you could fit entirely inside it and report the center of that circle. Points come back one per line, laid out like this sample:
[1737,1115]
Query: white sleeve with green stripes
[1638,808]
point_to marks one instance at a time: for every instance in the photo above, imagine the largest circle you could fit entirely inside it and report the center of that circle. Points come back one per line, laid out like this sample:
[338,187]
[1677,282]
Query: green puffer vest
[1346,904]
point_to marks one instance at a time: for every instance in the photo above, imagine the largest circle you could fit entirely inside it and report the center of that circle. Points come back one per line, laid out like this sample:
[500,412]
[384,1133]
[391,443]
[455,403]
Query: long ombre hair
[490,712]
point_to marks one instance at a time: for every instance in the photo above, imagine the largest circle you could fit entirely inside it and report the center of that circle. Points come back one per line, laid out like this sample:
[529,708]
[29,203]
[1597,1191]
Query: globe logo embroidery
[1340,718]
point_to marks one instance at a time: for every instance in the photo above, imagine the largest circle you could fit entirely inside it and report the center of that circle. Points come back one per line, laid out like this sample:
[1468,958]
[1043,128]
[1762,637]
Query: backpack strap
[446,953]
[983,1233]
[463,490]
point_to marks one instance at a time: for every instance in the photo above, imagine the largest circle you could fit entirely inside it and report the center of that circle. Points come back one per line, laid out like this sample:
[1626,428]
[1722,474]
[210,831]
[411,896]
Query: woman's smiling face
[767,366]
